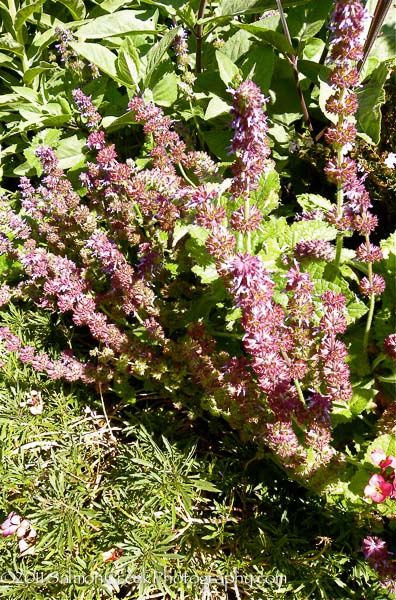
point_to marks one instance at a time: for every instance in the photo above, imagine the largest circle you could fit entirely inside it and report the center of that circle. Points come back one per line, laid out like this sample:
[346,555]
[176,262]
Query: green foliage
[175,491]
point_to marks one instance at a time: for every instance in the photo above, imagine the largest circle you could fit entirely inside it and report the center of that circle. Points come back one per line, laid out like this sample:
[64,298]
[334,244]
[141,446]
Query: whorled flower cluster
[352,211]
[250,142]
[298,362]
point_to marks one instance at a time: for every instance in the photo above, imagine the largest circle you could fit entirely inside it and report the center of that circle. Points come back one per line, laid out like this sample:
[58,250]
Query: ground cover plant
[197,323]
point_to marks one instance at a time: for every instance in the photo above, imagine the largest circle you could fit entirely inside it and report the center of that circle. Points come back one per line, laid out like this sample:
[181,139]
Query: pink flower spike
[378,489]
[11,524]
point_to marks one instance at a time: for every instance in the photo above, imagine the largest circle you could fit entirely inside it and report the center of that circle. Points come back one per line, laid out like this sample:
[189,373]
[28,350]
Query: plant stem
[372,301]
[381,10]
[247,217]
[199,35]
[293,61]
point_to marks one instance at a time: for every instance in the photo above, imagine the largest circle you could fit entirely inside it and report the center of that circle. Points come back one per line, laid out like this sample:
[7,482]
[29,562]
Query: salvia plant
[170,275]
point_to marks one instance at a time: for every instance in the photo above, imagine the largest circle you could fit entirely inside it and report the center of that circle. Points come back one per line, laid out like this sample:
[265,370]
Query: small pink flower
[11,524]
[378,489]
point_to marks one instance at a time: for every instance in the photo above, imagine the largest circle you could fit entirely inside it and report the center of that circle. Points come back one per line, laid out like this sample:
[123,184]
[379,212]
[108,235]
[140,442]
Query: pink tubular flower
[250,142]
[376,287]
[378,489]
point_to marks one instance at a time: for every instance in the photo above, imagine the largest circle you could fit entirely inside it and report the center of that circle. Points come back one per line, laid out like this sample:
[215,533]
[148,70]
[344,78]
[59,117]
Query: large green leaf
[25,12]
[124,21]
[274,38]
[129,63]
[75,7]
[228,71]
[371,97]
[98,55]
[157,53]
[235,7]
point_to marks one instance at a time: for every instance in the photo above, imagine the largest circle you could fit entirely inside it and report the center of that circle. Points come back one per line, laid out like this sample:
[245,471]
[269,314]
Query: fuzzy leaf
[311,201]
[371,97]
[157,53]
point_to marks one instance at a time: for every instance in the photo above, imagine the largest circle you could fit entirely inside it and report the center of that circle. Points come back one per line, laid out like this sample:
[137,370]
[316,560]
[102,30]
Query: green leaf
[228,71]
[165,90]
[114,123]
[121,22]
[25,12]
[206,274]
[157,53]
[237,45]
[234,7]
[312,230]
[362,397]
[128,63]
[98,55]
[274,38]
[70,152]
[312,201]
[28,94]
[266,197]
[371,97]
[75,7]
[8,43]
[216,107]
[325,91]
[386,442]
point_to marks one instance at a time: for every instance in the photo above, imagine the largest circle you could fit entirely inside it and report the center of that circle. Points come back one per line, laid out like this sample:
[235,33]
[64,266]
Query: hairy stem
[293,61]
[199,35]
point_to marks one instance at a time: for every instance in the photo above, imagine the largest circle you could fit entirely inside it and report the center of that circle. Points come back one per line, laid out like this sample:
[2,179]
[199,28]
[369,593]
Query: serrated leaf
[165,90]
[119,23]
[312,230]
[157,53]
[98,55]
[356,310]
[371,96]
[266,197]
[363,395]
[228,71]
[128,63]
[309,202]
[25,12]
